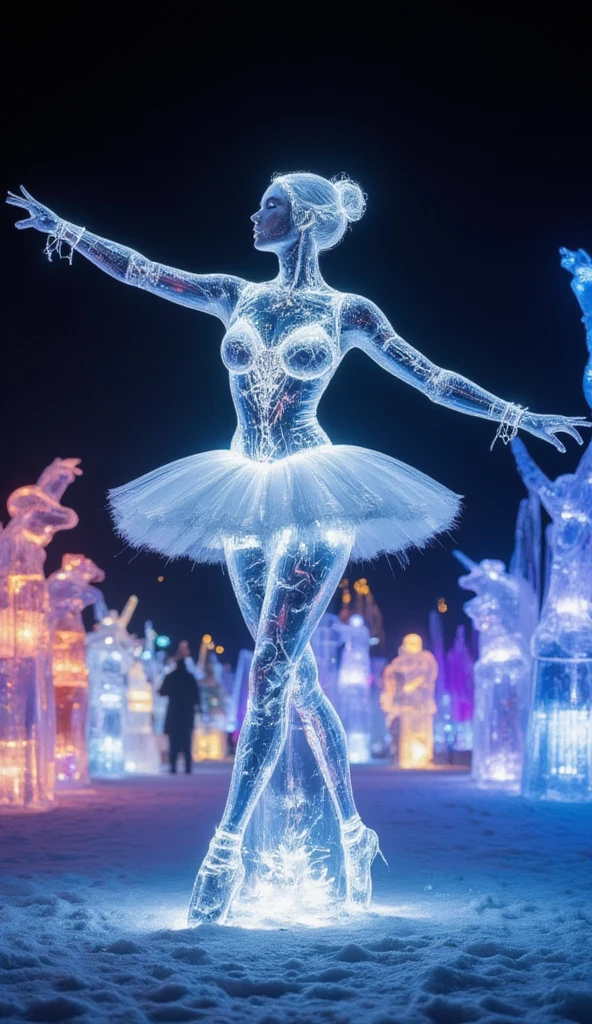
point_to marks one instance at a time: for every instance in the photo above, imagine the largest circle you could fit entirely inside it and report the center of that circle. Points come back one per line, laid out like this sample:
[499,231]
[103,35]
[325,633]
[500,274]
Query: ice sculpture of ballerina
[27,705]
[70,591]
[284,508]
[558,762]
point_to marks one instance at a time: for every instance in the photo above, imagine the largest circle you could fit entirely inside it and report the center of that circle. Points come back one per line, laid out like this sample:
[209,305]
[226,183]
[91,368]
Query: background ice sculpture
[580,265]
[70,591]
[327,644]
[460,681]
[141,753]
[209,738]
[559,749]
[27,705]
[353,688]
[154,666]
[409,684]
[284,508]
[502,672]
[109,659]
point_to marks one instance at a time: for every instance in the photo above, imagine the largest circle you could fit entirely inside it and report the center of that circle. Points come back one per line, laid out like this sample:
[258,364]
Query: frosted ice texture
[502,672]
[27,705]
[70,591]
[109,656]
[559,749]
[407,699]
[284,507]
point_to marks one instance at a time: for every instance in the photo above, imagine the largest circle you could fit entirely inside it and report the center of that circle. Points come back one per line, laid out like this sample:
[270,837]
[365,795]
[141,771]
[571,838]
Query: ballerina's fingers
[572,426]
[14,200]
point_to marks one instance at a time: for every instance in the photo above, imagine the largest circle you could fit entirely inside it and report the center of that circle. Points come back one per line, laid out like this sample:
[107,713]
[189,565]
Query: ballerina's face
[274,228]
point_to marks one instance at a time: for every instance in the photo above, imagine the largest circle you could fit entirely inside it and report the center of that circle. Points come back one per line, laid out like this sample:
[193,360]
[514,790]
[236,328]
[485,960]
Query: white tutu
[190,507]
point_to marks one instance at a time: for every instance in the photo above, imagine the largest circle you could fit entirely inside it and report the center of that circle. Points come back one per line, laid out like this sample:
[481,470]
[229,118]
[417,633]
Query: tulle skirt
[191,507]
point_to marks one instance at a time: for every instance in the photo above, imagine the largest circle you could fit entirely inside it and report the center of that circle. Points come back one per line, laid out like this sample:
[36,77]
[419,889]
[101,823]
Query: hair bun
[351,198]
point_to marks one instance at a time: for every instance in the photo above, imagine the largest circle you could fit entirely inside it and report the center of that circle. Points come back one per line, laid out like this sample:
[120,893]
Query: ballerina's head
[306,205]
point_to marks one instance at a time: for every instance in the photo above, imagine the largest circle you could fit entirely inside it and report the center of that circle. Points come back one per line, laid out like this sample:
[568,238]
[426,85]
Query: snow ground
[485,914]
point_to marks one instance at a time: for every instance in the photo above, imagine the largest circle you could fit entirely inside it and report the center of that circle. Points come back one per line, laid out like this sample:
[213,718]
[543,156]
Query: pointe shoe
[360,847]
[218,880]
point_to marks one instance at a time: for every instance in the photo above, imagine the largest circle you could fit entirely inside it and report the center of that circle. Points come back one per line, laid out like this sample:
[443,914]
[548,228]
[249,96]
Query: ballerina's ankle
[224,848]
[353,829]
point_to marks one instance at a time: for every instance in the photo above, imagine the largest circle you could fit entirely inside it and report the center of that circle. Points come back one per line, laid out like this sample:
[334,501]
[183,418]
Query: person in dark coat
[182,690]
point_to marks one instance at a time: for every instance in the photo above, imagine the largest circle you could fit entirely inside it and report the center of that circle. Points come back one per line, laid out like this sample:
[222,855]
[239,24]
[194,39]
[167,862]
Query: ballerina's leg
[302,576]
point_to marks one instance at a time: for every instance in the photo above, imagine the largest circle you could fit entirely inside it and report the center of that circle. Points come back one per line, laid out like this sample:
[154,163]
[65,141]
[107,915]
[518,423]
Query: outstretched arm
[363,325]
[210,293]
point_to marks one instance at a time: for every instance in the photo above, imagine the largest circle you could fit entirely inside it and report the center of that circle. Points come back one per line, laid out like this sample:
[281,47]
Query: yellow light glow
[219,649]
[442,606]
[413,643]
[160,579]
[208,746]
[206,639]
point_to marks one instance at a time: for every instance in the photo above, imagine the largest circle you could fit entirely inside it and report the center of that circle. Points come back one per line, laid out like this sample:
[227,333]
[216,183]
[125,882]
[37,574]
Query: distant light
[160,579]
[163,641]
[374,640]
[206,639]
[146,655]
[219,649]
[356,620]
[108,639]
[442,606]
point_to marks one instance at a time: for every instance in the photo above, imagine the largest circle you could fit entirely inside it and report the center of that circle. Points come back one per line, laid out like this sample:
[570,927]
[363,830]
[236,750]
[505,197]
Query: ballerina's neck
[299,265]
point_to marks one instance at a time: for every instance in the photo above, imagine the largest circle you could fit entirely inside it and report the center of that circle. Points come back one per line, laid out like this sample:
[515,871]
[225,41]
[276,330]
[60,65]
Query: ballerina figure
[284,508]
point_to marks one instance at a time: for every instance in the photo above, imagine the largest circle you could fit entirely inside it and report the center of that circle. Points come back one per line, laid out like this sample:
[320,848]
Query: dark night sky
[473,143]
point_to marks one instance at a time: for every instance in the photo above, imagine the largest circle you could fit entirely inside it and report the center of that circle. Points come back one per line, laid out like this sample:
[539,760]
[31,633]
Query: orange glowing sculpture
[70,591]
[408,700]
[27,708]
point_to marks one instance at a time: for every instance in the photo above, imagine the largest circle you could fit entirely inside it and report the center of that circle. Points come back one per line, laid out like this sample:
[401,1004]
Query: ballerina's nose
[256,217]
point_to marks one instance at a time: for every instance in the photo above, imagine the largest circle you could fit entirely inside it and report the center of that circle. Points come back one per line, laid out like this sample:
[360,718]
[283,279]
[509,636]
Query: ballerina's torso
[281,350]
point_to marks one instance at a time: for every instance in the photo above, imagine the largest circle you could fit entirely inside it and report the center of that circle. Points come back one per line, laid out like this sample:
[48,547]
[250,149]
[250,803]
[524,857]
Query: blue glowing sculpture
[559,749]
[353,688]
[502,672]
[109,659]
[284,508]
[70,591]
[580,265]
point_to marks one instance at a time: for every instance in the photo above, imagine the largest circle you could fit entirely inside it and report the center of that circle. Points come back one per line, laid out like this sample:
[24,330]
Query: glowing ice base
[292,849]
[558,763]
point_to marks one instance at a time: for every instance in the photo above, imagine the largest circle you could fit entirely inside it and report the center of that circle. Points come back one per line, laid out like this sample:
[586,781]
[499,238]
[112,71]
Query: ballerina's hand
[546,427]
[40,217]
